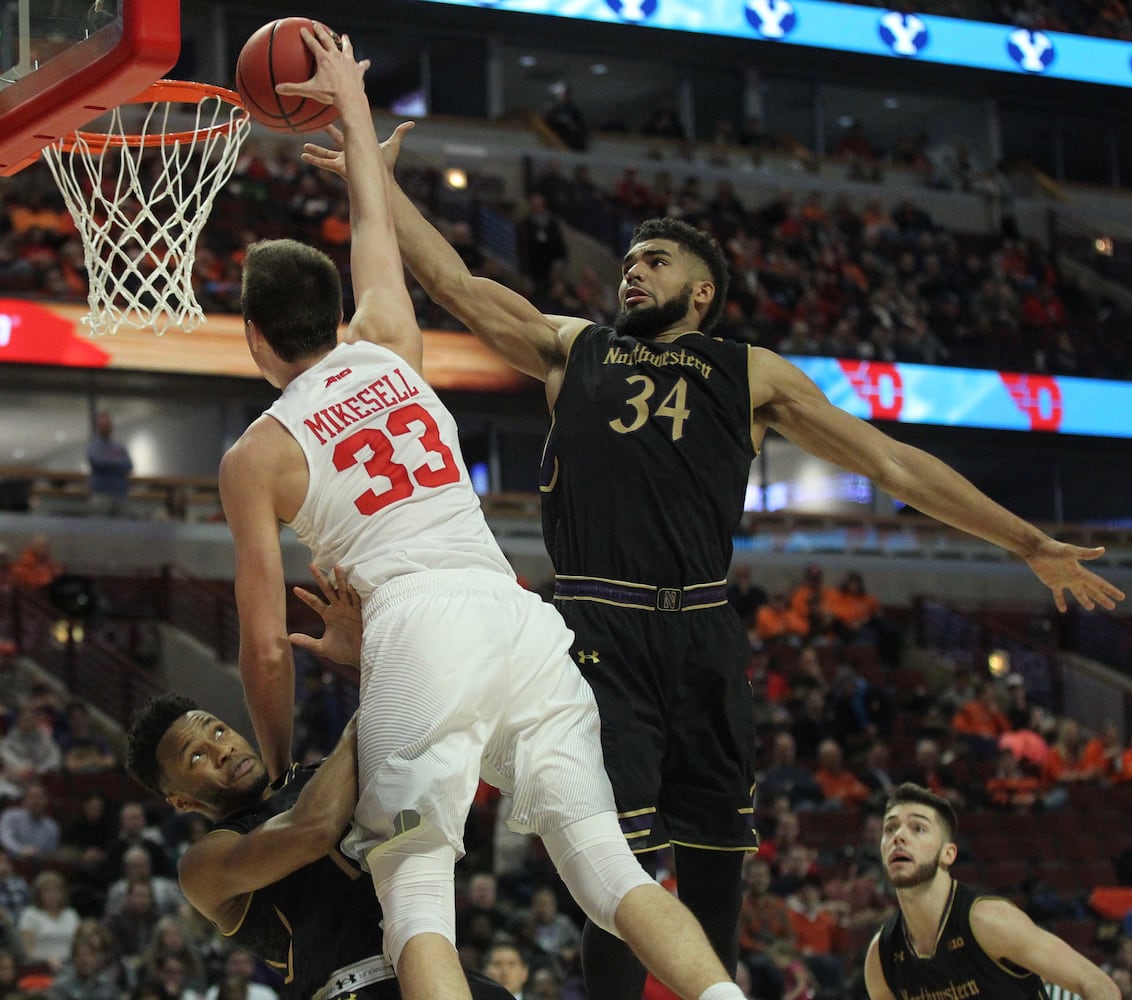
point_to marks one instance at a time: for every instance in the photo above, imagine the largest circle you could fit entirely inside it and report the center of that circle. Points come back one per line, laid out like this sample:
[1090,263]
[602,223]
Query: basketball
[276,53]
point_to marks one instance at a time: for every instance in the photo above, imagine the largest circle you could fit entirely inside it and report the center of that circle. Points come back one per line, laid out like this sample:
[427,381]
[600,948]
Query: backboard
[65,62]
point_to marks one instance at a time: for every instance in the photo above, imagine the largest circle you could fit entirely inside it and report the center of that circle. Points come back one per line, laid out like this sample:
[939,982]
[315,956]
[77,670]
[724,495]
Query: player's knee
[414,880]
[597,866]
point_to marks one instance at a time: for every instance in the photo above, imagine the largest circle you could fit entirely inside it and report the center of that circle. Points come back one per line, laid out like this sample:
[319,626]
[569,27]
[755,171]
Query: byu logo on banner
[905,34]
[633,10]
[1033,51]
[772,18]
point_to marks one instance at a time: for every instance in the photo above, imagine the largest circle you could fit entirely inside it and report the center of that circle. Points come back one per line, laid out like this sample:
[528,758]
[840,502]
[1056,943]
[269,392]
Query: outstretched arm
[787,400]
[384,312]
[505,321]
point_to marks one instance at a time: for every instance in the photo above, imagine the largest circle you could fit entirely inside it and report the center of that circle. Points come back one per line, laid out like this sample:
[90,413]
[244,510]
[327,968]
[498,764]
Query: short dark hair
[909,791]
[700,245]
[293,294]
[149,725]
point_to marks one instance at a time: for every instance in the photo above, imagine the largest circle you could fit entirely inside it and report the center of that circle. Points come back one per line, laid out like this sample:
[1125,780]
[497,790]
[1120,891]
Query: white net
[140,194]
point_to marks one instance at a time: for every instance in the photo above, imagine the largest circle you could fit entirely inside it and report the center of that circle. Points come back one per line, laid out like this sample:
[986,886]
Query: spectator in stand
[744,595]
[632,193]
[15,893]
[34,569]
[929,771]
[89,975]
[137,866]
[565,118]
[84,751]
[1012,787]
[817,922]
[172,980]
[171,936]
[48,924]
[768,685]
[482,902]
[1066,763]
[134,831]
[875,772]
[10,975]
[981,721]
[859,886]
[812,724]
[507,966]
[132,926]
[83,844]
[854,608]
[1018,710]
[110,468]
[27,831]
[551,930]
[94,932]
[841,788]
[541,245]
[860,711]
[806,675]
[1104,752]
[244,965]
[763,920]
[792,867]
[812,594]
[776,623]
[958,692]
[860,618]
[786,777]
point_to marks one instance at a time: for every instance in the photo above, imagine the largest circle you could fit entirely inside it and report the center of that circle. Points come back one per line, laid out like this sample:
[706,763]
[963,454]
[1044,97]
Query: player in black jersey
[270,875]
[945,940]
[654,427]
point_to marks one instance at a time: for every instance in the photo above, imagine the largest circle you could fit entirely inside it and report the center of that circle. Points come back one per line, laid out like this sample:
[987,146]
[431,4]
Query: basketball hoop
[140,197]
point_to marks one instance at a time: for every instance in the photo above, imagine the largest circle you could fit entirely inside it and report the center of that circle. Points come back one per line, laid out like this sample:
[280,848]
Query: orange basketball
[276,53]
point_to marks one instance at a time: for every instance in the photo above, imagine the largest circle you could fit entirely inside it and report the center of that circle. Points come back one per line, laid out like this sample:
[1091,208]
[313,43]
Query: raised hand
[340,609]
[1058,566]
[333,160]
[336,74]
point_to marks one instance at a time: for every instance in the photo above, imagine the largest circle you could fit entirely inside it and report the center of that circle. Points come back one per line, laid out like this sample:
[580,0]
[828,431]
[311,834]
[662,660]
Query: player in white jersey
[460,666]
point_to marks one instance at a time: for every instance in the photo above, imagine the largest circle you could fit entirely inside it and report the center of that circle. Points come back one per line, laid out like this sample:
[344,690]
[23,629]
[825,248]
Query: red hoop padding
[169,91]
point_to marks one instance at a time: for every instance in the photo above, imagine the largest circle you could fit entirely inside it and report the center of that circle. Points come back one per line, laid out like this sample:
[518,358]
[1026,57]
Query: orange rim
[170,91]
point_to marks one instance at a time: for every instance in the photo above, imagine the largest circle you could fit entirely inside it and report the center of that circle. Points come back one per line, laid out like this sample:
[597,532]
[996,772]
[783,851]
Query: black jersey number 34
[674,406]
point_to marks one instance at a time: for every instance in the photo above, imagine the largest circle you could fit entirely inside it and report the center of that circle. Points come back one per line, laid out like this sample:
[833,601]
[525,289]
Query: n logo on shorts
[590,657]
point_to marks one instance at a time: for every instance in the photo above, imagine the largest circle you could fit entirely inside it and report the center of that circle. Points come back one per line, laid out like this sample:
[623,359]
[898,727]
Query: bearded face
[921,874]
[649,322]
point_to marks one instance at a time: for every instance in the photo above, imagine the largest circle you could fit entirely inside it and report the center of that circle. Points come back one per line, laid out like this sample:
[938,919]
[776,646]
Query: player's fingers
[300,640]
[323,581]
[310,600]
[335,134]
[342,585]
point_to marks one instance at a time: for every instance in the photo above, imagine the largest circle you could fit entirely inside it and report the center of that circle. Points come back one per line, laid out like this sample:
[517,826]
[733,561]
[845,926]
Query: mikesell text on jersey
[379,395]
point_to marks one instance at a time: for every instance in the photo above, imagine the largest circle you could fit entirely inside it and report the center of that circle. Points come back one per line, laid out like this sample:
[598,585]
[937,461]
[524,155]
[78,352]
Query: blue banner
[965,397]
[867,30]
